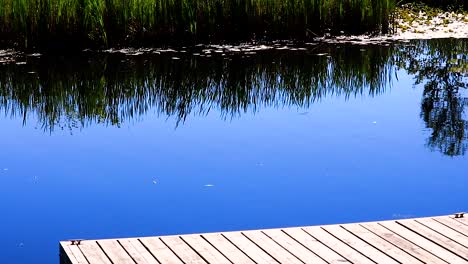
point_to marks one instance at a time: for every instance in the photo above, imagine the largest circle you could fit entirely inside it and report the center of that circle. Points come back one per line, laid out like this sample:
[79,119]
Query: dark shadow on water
[113,89]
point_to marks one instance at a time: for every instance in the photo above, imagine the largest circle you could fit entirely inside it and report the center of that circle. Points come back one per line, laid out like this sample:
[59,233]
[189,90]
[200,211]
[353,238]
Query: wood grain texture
[160,251]
[330,241]
[234,254]
[137,251]
[441,239]
[205,249]
[270,246]
[422,242]
[249,248]
[93,252]
[437,238]
[298,250]
[315,246]
[359,245]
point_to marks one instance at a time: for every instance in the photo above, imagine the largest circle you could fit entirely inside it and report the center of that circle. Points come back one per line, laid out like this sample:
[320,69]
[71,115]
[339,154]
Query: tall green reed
[36,23]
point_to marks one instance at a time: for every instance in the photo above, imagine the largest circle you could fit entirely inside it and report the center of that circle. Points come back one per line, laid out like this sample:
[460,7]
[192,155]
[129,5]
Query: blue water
[339,160]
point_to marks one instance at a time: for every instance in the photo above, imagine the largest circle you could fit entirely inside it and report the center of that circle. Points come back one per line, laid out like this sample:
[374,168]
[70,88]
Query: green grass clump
[103,23]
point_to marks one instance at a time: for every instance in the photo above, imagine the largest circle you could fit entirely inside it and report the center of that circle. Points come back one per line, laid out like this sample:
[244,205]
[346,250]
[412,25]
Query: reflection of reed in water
[112,89]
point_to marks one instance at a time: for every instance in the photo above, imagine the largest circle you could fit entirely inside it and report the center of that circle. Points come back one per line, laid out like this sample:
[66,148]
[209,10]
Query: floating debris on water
[135,54]
[34,55]
[209,185]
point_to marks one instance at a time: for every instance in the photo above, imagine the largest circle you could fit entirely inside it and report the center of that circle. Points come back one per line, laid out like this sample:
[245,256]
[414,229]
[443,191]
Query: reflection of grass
[110,91]
[47,23]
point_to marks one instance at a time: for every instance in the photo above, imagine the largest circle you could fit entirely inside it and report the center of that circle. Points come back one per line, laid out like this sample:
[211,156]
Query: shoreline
[410,25]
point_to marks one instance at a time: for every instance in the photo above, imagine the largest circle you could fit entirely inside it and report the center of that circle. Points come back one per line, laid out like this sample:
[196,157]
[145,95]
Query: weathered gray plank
[234,254]
[428,245]
[441,240]
[207,251]
[358,244]
[160,251]
[73,253]
[337,245]
[182,250]
[455,225]
[315,246]
[423,240]
[115,251]
[137,251]
[444,230]
[400,241]
[249,248]
[270,246]
[463,220]
[293,246]
[93,252]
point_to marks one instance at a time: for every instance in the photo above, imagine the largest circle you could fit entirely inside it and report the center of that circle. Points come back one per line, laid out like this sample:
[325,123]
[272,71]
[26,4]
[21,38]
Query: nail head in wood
[76,242]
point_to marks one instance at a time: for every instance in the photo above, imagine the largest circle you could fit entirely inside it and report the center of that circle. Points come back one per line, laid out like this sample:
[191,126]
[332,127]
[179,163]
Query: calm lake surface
[111,145]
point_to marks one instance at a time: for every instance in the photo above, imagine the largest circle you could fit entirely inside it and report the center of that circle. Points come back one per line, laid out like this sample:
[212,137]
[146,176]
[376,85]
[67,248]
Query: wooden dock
[442,239]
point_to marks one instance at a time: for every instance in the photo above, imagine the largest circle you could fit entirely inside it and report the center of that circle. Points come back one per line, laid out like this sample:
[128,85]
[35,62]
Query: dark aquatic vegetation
[68,24]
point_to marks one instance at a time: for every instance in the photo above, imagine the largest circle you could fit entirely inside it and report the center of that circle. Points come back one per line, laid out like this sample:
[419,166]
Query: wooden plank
[359,245]
[137,251]
[444,230]
[93,252]
[160,251]
[224,246]
[270,246]
[383,245]
[337,245]
[291,245]
[455,225]
[74,254]
[65,255]
[315,246]
[115,251]
[463,220]
[441,239]
[182,250]
[437,238]
[249,248]
[418,240]
[207,251]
